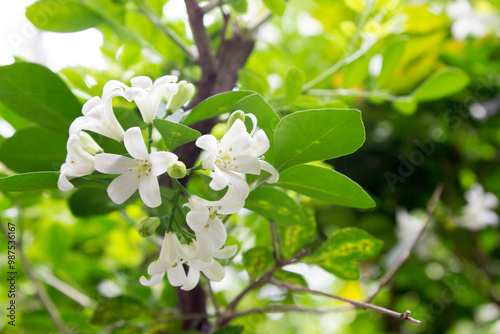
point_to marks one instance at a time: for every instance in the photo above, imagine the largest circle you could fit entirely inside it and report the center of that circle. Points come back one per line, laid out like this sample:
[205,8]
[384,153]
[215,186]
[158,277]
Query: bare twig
[146,10]
[65,288]
[285,308]
[211,5]
[254,26]
[392,271]
[210,292]
[40,290]
[405,316]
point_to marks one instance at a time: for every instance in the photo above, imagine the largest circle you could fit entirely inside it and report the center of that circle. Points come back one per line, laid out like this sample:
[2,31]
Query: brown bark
[219,74]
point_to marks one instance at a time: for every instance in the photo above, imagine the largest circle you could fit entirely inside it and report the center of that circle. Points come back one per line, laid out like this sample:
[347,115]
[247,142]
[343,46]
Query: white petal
[134,143]
[246,164]
[149,189]
[490,200]
[91,104]
[217,232]
[236,138]
[220,179]
[215,272]
[239,184]
[193,278]
[487,218]
[63,183]
[124,186]
[166,79]
[158,267]
[197,220]
[113,163]
[170,248]
[153,281]
[208,143]
[160,161]
[143,82]
[226,252]
[176,275]
[260,144]
[271,170]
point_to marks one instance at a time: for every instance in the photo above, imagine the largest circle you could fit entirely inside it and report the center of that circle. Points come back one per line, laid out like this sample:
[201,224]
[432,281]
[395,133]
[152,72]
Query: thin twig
[40,289]
[404,316]
[146,10]
[210,292]
[65,288]
[254,26]
[211,5]
[286,308]
[353,93]
[392,271]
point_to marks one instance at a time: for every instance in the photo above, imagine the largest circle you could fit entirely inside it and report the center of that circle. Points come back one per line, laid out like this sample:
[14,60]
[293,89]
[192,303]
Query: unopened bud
[185,93]
[238,114]
[148,226]
[177,170]
[92,147]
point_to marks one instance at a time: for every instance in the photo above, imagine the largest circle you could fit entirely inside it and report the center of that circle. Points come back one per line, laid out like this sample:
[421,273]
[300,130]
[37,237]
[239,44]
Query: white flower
[237,152]
[98,113]
[210,231]
[478,212]
[469,21]
[147,95]
[79,161]
[138,173]
[174,255]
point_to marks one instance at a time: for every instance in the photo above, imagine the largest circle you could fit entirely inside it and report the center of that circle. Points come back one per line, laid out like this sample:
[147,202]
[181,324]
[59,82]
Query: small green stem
[192,169]
[150,136]
[172,213]
[180,186]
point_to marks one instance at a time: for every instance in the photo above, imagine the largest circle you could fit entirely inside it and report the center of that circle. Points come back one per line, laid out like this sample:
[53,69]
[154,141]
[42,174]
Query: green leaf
[175,134]
[287,276]
[37,94]
[214,106]
[343,269]
[390,59]
[86,202]
[277,7]
[339,253]
[295,237]
[326,185]
[406,105]
[445,82]
[239,6]
[355,72]
[130,53]
[251,80]
[274,204]
[256,261]
[34,149]
[295,79]
[29,181]
[230,330]
[62,16]
[120,308]
[318,134]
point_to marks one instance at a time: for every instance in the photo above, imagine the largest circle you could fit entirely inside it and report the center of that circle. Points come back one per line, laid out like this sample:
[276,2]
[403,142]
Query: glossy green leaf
[390,59]
[257,260]
[406,105]
[86,202]
[277,7]
[274,204]
[62,16]
[12,118]
[34,149]
[215,106]
[111,310]
[445,82]
[288,276]
[317,134]
[355,72]
[29,181]
[250,80]
[37,94]
[343,269]
[295,79]
[175,134]
[130,54]
[349,244]
[239,6]
[326,185]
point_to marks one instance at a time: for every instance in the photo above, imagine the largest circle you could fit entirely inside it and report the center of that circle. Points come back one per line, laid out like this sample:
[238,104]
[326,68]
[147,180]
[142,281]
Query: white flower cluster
[237,153]
[478,212]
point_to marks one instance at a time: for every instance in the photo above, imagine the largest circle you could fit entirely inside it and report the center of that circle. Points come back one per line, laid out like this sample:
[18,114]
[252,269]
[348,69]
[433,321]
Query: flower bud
[185,93]
[148,226]
[92,147]
[238,114]
[177,170]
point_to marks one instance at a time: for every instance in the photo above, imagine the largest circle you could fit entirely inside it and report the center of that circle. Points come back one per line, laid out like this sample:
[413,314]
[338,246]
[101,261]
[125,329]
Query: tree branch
[404,316]
[392,271]
[40,290]
[211,5]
